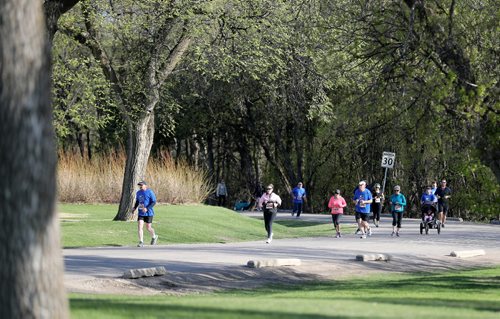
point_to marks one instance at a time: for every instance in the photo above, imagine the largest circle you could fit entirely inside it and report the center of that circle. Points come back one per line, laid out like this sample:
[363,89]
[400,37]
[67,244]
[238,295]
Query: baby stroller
[429,219]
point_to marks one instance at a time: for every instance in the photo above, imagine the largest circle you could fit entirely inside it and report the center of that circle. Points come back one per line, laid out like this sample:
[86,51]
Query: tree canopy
[288,91]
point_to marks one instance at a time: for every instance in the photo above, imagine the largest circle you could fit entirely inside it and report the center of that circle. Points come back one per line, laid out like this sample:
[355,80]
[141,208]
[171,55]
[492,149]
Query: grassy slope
[466,294]
[92,225]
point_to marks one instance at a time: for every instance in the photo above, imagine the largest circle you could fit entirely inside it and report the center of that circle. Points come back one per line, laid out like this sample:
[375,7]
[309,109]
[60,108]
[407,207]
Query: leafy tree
[138,45]
[84,113]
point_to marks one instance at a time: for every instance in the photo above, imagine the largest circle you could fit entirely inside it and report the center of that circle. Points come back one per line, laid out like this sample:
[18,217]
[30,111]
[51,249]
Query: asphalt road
[411,251]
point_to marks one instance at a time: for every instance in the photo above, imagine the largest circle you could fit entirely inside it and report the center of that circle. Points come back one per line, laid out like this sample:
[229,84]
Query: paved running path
[411,250]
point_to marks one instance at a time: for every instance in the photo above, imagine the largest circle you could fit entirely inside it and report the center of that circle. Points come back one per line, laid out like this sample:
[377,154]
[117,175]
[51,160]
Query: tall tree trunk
[31,274]
[139,143]
[89,146]
[210,156]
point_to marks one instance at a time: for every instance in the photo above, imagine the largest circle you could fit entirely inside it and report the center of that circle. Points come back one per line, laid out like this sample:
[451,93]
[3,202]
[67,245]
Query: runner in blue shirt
[144,202]
[363,198]
[299,196]
[398,203]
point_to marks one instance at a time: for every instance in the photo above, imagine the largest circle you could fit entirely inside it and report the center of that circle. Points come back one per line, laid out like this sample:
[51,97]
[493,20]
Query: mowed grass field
[464,294]
[93,226]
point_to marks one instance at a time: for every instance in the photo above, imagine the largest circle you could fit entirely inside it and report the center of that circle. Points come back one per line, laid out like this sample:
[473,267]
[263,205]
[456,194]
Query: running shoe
[140,244]
[369,231]
[154,240]
[397,234]
[363,236]
[392,235]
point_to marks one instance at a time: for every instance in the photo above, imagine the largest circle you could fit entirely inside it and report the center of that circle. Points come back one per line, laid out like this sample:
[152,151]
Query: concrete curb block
[467,253]
[373,257]
[144,272]
[273,263]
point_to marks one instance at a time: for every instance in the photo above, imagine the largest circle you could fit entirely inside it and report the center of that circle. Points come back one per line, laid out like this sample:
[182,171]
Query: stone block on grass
[468,253]
[144,272]
[373,257]
[273,263]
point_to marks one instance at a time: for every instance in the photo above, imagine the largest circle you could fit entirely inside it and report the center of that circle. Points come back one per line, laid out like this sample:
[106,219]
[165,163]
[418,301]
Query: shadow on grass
[297,223]
[422,290]
[135,310]
[438,292]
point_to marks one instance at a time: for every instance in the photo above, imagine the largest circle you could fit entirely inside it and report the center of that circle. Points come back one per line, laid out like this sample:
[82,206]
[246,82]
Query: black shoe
[442,225]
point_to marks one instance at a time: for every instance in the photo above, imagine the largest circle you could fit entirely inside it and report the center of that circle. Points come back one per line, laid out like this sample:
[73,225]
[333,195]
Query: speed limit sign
[388,159]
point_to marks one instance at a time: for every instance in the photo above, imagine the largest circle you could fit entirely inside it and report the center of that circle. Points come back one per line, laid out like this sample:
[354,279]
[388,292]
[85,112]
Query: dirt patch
[244,278]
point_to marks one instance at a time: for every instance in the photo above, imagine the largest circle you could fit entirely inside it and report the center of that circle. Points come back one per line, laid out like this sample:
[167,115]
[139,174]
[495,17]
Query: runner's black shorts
[146,219]
[362,216]
[443,208]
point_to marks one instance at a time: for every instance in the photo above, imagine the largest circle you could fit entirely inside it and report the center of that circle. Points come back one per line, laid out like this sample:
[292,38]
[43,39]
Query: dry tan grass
[100,180]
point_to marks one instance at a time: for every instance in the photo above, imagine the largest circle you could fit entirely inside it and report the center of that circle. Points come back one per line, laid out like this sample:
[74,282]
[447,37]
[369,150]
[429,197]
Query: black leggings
[396,218]
[269,216]
[335,219]
[377,209]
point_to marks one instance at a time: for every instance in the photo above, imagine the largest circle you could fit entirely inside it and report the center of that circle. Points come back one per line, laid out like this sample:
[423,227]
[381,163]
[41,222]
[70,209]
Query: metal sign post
[388,160]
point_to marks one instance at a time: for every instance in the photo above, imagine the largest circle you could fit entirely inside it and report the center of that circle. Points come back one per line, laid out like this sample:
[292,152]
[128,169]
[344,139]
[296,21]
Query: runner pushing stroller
[429,221]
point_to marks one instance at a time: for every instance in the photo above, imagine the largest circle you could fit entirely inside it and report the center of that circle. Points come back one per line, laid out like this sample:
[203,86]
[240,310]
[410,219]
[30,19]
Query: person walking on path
[443,195]
[269,203]
[362,199]
[145,199]
[398,203]
[378,203]
[299,196]
[337,204]
[221,193]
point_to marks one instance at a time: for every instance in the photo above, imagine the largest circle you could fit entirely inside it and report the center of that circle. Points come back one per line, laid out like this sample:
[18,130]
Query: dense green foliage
[91,226]
[466,294]
[315,91]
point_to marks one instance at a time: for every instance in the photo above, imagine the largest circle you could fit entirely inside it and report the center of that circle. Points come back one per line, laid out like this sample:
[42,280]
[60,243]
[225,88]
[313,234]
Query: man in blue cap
[144,202]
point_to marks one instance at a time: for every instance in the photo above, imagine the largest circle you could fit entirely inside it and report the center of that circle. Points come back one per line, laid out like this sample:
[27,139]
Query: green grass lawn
[465,294]
[92,225]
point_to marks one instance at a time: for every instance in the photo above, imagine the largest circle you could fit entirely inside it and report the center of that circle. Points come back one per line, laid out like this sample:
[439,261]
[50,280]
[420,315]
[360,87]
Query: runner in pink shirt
[337,204]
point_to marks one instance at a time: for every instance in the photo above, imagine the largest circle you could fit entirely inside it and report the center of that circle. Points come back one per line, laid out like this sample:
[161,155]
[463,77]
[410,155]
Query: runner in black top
[443,194]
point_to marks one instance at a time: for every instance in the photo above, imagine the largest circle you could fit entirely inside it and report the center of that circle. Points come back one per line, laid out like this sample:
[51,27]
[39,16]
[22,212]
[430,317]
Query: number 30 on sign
[388,159]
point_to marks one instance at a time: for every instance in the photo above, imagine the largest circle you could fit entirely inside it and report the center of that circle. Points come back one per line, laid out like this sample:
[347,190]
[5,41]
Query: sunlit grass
[465,294]
[85,225]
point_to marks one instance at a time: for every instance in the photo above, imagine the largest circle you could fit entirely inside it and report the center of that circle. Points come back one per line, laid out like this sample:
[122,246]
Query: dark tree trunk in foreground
[31,274]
